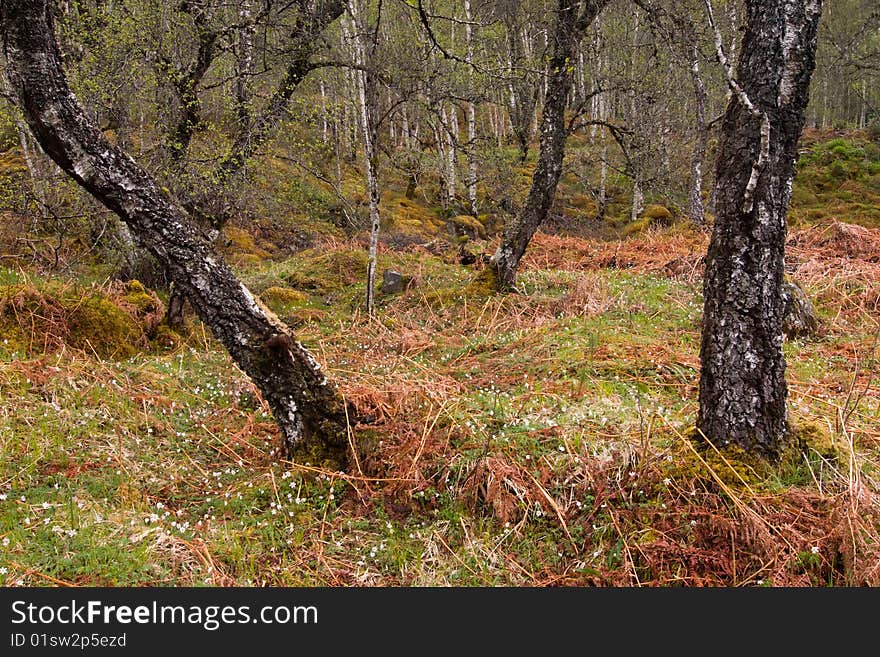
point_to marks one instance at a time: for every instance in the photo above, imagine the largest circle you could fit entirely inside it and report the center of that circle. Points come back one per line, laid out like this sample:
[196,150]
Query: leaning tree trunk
[742,382]
[307,407]
[572,20]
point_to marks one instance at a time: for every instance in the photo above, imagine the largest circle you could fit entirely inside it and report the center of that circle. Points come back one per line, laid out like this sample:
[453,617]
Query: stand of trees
[157,111]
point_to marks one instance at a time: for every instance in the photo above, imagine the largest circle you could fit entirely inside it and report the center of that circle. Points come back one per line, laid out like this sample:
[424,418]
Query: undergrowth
[541,438]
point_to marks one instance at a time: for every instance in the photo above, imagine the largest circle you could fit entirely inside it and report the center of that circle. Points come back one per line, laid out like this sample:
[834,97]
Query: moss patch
[322,272]
[659,214]
[731,465]
[111,323]
[466,225]
[283,299]
[811,437]
[240,242]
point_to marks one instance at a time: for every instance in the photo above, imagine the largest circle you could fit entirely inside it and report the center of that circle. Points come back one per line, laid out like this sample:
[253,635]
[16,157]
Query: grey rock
[799,316]
[392,282]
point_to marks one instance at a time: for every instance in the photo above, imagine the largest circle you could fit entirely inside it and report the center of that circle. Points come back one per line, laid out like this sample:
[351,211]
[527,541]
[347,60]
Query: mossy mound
[283,299]
[742,471]
[242,248]
[838,179]
[34,321]
[322,272]
[636,228]
[113,323]
[167,338]
[407,215]
[659,214]
[464,225]
[653,215]
[485,283]
[143,304]
[810,437]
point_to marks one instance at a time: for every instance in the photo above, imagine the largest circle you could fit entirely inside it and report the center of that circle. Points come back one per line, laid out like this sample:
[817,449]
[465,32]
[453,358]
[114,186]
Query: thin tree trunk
[602,203]
[598,102]
[472,160]
[307,407]
[22,131]
[742,380]
[572,20]
[638,197]
[245,67]
[366,95]
[634,157]
[471,116]
[325,124]
[701,140]
[447,133]
[186,83]
[523,94]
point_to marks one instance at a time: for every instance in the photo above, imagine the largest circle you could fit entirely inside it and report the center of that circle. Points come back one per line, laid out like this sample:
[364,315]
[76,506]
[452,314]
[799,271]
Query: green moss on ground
[42,317]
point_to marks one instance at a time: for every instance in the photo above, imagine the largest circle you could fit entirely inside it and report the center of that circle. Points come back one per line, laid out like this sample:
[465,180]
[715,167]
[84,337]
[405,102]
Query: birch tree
[308,409]
[573,19]
[742,378]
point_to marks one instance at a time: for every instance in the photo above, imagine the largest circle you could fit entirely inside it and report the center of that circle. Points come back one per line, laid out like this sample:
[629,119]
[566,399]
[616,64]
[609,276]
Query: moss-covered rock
[657,214]
[799,317]
[467,226]
[406,214]
[653,215]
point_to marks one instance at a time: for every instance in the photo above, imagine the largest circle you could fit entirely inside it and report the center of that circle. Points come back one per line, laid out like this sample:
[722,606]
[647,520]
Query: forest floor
[538,439]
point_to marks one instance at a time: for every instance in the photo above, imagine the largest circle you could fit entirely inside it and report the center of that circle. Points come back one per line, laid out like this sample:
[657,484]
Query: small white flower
[3,570]
[5,542]
[815,549]
[3,497]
